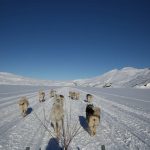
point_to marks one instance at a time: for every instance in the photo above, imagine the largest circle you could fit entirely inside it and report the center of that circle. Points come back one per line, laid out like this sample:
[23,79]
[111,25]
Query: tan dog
[89,98]
[74,95]
[77,96]
[93,118]
[59,99]
[52,93]
[23,105]
[57,116]
[41,96]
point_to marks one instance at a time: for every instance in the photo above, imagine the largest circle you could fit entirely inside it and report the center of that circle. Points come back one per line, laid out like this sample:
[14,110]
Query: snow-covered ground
[125,119]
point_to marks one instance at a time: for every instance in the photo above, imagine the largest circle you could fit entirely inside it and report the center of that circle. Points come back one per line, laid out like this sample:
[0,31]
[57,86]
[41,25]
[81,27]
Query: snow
[12,79]
[125,118]
[125,77]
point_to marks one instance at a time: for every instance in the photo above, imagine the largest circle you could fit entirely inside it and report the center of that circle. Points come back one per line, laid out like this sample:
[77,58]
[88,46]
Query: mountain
[125,77]
[12,79]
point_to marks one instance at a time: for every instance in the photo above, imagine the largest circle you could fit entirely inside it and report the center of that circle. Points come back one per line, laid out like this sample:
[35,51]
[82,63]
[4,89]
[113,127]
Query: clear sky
[73,39]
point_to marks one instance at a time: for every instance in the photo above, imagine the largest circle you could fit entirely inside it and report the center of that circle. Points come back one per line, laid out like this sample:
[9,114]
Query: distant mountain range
[12,79]
[126,77]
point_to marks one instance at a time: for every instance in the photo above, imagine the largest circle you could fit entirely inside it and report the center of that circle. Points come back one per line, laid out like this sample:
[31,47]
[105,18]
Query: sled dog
[23,105]
[41,96]
[93,118]
[89,98]
[57,116]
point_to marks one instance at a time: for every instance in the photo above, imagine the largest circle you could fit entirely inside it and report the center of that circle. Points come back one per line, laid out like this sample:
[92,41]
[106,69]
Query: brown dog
[23,105]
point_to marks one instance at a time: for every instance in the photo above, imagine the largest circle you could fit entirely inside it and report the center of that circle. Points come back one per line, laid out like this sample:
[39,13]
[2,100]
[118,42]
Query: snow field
[122,126]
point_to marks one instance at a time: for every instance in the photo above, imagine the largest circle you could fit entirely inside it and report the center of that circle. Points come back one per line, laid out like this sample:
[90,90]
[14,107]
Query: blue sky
[63,40]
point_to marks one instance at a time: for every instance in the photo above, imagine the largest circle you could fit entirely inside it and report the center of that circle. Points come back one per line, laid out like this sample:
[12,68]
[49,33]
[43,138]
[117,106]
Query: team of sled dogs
[57,110]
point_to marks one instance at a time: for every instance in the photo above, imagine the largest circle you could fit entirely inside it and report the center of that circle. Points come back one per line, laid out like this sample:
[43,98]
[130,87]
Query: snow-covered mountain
[126,77]
[12,79]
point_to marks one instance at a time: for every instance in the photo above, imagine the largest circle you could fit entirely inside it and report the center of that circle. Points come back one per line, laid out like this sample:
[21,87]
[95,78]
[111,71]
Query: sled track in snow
[15,125]
[122,127]
[129,122]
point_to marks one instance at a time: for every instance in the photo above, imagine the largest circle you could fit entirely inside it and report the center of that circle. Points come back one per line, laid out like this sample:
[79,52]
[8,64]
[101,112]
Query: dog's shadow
[53,145]
[29,110]
[83,123]
[85,100]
